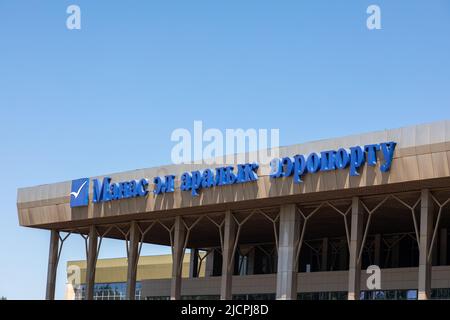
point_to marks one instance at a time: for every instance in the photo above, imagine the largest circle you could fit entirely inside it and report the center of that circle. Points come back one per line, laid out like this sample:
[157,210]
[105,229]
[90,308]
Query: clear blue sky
[107,97]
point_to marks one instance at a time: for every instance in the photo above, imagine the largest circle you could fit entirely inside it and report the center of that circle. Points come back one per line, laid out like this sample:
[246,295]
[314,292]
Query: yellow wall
[115,270]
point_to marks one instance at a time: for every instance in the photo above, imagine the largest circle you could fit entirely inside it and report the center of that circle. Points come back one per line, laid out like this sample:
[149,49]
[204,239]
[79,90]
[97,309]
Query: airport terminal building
[307,226]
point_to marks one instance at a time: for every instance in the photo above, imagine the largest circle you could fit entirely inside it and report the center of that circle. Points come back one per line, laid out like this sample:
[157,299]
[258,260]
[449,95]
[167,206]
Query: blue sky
[107,97]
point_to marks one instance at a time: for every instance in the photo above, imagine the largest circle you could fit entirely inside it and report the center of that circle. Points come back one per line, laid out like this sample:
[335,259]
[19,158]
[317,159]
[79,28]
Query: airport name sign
[221,177]
[108,191]
[333,160]
[297,166]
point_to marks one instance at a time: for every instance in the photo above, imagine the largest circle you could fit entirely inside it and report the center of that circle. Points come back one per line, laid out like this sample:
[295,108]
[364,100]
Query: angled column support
[91,262]
[209,265]
[52,265]
[426,233]
[133,258]
[228,256]
[356,234]
[287,253]
[177,258]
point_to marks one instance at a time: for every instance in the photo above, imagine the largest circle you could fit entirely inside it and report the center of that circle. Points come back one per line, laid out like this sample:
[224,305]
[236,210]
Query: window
[389,295]
[337,295]
[108,291]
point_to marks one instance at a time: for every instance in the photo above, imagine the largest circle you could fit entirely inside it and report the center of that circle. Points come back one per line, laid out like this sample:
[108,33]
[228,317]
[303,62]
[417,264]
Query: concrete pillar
[324,262]
[287,251]
[91,263]
[356,234]
[177,259]
[52,265]
[193,264]
[377,250]
[426,233]
[443,247]
[133,258]
[228,257]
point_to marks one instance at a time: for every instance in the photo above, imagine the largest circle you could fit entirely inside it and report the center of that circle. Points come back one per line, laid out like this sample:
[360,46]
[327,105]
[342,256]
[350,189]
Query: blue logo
[79,196]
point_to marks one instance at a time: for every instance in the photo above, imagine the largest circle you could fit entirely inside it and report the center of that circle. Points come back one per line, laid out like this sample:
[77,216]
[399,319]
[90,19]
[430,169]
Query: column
[193,264]
[52,265]
[324,262]
[177,258]
[356,234]
[377,249]
[426,233]
[133,258]
[91,263]
[228,257]
[443,247]
[287,251]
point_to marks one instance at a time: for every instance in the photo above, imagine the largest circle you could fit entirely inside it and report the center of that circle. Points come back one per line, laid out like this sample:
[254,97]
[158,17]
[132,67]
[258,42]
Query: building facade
[111,276]
[307,226]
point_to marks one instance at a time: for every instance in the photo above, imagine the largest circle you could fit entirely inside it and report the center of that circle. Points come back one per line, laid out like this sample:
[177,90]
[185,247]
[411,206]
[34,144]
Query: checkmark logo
[79,195]
[76,194]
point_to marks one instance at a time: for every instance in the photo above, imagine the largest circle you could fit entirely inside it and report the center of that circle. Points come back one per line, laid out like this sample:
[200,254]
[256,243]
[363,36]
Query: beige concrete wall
[423,153]
[322,281]
[399,278]
[211,285]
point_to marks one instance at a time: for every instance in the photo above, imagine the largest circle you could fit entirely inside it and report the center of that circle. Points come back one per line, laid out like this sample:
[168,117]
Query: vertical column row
[287,253]
[91,262]
[177,258]
[228,257]
[52,265]
[426,232]
[354,271]
[133,259]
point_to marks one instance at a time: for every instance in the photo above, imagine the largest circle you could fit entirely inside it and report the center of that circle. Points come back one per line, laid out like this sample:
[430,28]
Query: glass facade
[254,296]
[108,291]
[117,291]
[389,295]
[440,294]
[158,298]
[201,297]
[336,295]
[365,295]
